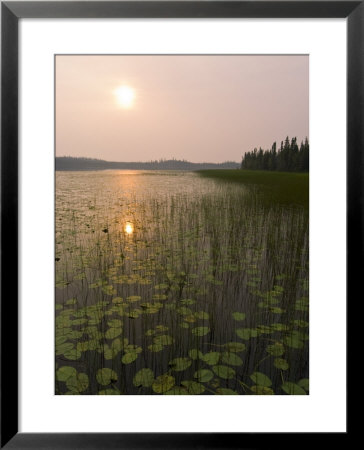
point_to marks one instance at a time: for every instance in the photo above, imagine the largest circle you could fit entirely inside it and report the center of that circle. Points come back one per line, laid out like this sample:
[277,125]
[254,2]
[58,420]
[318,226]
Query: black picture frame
[11,12]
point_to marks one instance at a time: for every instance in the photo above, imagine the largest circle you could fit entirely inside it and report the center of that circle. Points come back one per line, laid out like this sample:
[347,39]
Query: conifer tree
[289,158]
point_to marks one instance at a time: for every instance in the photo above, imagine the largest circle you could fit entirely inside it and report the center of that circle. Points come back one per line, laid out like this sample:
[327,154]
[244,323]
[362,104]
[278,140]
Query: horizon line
[147,161]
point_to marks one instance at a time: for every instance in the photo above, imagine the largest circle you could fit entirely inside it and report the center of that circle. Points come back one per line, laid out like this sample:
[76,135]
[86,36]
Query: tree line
[72,163]
[288,158]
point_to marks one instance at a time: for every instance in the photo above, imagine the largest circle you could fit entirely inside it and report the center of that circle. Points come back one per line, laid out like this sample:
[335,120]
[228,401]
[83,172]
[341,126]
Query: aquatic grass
[281,187]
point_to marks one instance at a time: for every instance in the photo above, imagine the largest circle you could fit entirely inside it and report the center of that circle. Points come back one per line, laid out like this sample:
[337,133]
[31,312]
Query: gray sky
[198,108]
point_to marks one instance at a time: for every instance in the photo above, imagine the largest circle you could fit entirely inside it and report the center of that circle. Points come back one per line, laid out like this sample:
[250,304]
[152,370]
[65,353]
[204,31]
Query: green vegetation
[289,158]
[175,284]
[277,187]
[68,163]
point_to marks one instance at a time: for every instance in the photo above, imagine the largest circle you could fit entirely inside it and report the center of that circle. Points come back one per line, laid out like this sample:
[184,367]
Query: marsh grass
[287,188]
[208,294]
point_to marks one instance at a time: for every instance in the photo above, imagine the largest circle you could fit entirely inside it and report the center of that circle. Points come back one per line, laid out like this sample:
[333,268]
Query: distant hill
[70,163]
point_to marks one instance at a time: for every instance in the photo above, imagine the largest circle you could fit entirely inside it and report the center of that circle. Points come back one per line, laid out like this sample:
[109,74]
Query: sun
[125,96]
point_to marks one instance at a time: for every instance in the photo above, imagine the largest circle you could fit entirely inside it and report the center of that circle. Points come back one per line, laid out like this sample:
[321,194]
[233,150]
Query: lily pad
[246,333]
[300,335]
[79,314]
[304,383]
[279,327]
[82,346]
[78,383]
[190,319]
[60,340]
[203,375]
[163,383]
[195,354]
[132,348]
[202,315]
[277,310]
[129,357]
[278,288]
[164,339]
[65,372]
[238,316]
[193,387]
[262,390]
[177,390]
[187,301]
[179,364]
[73,354]
[110,354]
[260,379]
[113,332]
[160,287]
[236,347]
[109,392]
[133,298]
[71,301]
[152,310]
[134,314]
[281,364]
[224,372]
[117,345]
[293,341]
[94,333]
[301,307]
[143,377]
[155,348]
[106,376]
[276,349]
[293,388]
[211,358]
[301,323]
[200,331]
[64,348]
[114,323]
[161,328]
[226,391]
[109,290]
[264,329]
[79,321]
[95,321]
[184,311]
[159,297]
[75,334]
[231,359]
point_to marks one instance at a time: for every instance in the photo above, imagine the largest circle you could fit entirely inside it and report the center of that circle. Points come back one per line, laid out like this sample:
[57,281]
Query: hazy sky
[199,108]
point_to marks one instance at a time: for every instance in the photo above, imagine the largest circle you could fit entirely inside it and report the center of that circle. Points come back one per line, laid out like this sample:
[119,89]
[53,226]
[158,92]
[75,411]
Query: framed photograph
[180,215]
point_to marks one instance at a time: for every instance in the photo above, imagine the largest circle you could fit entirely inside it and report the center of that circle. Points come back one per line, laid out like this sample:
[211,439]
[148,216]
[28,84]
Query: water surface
[170,283]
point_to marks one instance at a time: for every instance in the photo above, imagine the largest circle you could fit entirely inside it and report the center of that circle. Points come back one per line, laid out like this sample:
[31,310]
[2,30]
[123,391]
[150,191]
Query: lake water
[167,282]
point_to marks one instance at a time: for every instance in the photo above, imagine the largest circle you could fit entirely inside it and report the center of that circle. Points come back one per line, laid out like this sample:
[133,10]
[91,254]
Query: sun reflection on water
[129,228]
